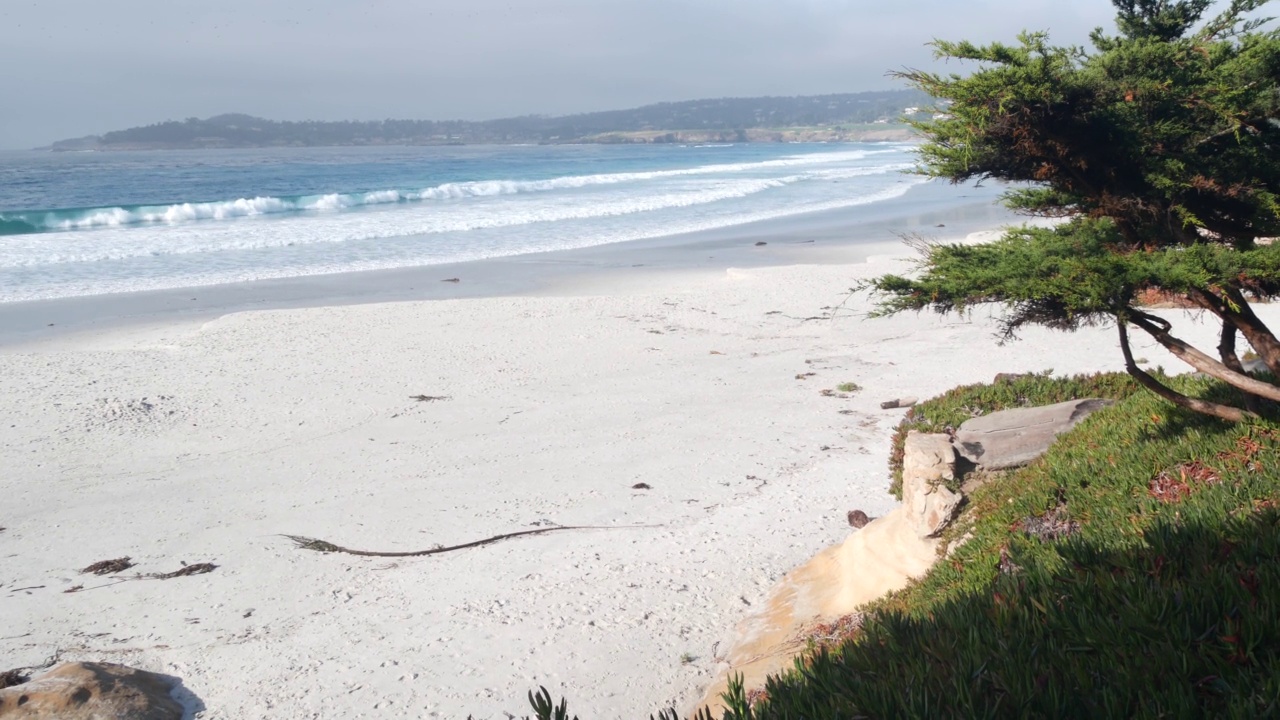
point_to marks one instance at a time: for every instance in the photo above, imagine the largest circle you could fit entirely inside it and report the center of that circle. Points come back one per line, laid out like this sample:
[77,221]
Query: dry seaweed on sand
[197,569]
[185,571]
[109,567]
[18,676]
[9,678]
[325,546]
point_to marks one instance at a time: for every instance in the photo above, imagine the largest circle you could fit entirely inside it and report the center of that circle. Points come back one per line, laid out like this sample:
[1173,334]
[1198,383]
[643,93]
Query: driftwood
[325,546]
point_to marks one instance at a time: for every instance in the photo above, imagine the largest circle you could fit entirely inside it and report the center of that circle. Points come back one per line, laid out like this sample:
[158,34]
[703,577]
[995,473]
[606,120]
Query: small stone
[761,243]
[642,486]
[902,402]
[858,519]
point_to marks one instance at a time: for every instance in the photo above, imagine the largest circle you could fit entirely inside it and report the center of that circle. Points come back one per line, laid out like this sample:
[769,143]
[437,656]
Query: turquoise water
[91,223]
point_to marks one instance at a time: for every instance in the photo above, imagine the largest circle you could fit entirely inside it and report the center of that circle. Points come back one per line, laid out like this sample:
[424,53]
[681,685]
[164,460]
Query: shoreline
[840,235]
[204,440]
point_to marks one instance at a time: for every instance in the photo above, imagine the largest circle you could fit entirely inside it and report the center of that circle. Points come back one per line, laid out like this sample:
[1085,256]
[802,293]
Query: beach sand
[209,441]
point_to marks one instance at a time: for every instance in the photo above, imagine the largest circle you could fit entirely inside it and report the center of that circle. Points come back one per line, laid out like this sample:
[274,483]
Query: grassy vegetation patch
[1129,573]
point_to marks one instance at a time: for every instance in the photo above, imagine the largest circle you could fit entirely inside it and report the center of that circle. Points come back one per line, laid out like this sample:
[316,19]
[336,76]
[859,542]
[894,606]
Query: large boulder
[91,691]
[1010,438]
[928,463]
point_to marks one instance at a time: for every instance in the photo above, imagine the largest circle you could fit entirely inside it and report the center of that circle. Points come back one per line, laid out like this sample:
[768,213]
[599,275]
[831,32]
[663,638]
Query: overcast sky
[78,67]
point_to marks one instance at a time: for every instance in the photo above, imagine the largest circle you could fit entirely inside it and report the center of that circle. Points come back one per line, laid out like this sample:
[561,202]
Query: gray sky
[78,67]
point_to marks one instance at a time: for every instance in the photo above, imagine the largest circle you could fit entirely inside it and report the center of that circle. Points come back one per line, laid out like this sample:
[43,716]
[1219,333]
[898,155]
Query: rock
[928,462]
[1009,377]
[761,243]
[902,402]
[858,519]
[1011,438]
[91,691]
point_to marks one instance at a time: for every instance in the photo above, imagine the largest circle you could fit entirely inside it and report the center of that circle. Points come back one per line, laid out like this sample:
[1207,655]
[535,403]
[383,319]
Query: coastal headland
[846,117]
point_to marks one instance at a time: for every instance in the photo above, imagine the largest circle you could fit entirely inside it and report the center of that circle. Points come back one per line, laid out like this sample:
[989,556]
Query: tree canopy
[1158,149]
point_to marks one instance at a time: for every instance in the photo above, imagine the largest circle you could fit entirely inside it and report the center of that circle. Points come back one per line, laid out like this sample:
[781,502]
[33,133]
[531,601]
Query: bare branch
[1226,412]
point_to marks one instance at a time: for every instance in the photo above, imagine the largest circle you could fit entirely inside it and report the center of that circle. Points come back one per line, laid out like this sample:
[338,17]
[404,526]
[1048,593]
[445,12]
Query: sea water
[74,224]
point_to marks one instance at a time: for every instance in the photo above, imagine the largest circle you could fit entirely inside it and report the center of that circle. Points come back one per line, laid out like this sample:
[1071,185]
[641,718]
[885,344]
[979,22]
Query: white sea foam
[258,206]
[427,255]
[115,250]
[120,243]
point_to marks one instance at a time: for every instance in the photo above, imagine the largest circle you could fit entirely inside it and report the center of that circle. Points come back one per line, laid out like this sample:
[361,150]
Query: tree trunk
[1226,412]
[1227,351]
[1227,347]
[1158,328]
[1256,332]
[1250,325]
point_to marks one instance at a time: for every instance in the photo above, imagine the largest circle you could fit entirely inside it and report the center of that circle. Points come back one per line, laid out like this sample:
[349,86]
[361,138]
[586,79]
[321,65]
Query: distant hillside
[820,117]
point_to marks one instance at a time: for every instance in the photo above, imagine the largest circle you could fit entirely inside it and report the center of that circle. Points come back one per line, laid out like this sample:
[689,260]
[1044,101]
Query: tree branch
[1226,412]
[1201,361]
[1255,330]
[1235,308]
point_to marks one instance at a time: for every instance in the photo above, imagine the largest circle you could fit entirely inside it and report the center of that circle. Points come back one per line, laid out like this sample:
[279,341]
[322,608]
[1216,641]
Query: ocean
[80,224]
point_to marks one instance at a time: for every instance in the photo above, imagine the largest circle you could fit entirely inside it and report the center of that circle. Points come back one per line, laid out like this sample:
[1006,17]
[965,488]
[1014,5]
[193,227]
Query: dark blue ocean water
[90,223]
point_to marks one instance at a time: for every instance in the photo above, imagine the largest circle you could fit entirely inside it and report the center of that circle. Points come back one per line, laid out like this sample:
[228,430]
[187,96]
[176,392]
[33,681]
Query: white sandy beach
[206,443]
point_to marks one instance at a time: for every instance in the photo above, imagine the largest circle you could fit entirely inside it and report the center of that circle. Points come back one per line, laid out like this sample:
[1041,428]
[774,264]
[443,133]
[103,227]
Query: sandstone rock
[1010,438]
[928,463]
[91,691]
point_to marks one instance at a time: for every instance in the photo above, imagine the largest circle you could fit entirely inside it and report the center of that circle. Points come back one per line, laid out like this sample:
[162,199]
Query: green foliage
[1066,276]
[947,411]
[849,387]
[1163,130]
[1162,147]
[544,709]
[1154,604]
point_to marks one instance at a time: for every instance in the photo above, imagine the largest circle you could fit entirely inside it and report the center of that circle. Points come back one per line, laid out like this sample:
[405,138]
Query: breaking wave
[38,221]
